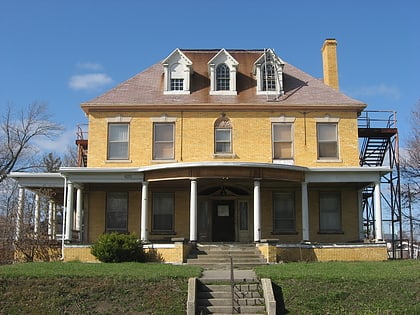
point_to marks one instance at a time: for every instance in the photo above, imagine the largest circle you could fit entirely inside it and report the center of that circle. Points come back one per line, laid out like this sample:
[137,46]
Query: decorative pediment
[222,70]
[268,70]
[177,70]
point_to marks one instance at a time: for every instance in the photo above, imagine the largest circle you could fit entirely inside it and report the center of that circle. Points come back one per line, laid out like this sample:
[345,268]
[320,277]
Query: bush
[116,247]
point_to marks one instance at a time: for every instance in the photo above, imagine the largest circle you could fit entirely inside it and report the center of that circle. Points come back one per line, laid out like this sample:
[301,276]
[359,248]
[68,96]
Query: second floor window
[327,141]
[118,141]
[282,141]
[223,136]
[222,78]
[163,141]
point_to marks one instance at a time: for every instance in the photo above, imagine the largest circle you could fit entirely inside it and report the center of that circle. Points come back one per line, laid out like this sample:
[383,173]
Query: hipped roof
[146,88]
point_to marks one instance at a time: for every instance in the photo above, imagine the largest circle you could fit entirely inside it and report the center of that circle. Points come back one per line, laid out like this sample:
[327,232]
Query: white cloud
[57,144]
[89,81]
[377,90]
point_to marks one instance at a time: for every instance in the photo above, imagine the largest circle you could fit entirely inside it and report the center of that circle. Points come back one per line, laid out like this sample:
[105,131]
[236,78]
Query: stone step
[228,302]
[258,309]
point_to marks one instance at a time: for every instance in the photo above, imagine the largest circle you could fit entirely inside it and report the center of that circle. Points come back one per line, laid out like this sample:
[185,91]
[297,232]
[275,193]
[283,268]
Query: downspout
[64,218]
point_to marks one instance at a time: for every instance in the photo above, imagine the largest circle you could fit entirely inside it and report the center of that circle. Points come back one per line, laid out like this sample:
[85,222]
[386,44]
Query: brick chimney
[329,60]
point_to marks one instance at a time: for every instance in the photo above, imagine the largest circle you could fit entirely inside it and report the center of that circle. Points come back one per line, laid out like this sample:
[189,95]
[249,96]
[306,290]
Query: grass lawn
[78,288]
[391,287]
[134,288]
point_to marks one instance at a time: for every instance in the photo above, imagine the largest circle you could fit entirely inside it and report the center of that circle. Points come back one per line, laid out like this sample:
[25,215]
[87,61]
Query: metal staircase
[82,146]
[379,147]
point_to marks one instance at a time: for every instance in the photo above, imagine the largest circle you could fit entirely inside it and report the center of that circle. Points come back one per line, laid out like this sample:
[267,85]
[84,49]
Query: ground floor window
[284,219]
[116,212]
[329,212]
[163,212]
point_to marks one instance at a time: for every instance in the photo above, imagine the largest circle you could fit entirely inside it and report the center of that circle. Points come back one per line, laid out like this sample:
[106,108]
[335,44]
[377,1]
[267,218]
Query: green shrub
[116,247]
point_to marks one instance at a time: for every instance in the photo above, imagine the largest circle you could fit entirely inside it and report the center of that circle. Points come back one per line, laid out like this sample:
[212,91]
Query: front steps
[217,256]
[217,299]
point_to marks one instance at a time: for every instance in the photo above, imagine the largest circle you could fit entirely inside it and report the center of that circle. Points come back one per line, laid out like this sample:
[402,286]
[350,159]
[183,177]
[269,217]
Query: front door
[223,221]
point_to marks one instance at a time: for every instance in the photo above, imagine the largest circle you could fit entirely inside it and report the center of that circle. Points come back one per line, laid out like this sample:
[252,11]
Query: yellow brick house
[222,146]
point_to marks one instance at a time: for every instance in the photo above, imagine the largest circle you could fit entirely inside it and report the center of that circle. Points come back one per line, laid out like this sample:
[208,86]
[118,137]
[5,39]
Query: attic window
[222,71]
[177,71]
[268,70]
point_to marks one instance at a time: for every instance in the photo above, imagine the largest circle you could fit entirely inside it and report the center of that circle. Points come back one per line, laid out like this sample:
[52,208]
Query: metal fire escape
[378,134]
[82,146]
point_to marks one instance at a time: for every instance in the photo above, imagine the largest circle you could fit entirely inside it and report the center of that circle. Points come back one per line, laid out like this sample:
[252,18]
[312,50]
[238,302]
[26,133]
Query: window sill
[285,233]
[163,161]
[177,92]
[118,161]
[224,155]
[329,161]
[284,161]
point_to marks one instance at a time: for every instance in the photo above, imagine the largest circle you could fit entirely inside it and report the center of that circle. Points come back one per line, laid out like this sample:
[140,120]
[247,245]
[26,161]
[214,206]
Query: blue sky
[68,52]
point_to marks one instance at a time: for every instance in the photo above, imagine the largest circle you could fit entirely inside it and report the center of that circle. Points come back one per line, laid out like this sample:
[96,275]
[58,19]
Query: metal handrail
[373,118]
[232,284]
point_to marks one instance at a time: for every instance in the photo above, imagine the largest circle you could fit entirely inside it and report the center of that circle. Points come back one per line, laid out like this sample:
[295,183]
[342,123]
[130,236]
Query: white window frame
[282,140]
[223,57]
[123,156]
[156,142]
[268,57]
[330,216]
[177,66]
[284,212]
[116,210]
[223,124]
[321,142]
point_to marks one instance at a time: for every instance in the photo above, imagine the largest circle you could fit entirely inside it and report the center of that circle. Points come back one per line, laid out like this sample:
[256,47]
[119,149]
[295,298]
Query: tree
[51,164]
[17,132]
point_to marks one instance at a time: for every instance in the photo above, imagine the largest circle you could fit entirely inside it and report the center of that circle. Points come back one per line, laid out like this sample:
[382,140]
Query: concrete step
[228,309]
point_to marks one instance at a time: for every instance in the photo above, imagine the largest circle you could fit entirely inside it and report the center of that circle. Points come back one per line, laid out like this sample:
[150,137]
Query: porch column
[360,203]
[257,211]
[305,213]
[79,211]
[36,215]
[50,218]
[54,221]
[377,211]
[19,214]
[144,232]
[193,211]
[69,211]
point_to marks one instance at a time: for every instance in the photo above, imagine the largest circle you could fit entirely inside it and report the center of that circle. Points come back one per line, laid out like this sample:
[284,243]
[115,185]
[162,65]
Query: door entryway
[223,221]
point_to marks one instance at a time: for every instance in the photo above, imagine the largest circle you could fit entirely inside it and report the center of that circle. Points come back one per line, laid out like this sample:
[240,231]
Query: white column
[305,213]
[378,211]
[36,215]
[19,214]
[193,211]
[257,211]
[360,203]
[144,231]
[69,211]
[54,221]
[50,218]
[79,211]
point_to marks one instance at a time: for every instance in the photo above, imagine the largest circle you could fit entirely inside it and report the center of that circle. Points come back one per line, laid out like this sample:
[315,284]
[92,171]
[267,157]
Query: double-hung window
[116,212]
[284,219]
[282,134]
[329,212]
[163,141]
[327,141]
[118,141]
[223,136]
[269,77]
[163,212]
[222,77]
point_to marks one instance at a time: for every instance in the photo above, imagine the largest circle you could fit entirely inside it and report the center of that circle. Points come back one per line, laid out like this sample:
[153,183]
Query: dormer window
[222,71]
[177,71]
[268,70]
[222,78]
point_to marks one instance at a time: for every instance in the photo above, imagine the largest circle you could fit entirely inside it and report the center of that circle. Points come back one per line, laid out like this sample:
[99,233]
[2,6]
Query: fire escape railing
[379,135]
